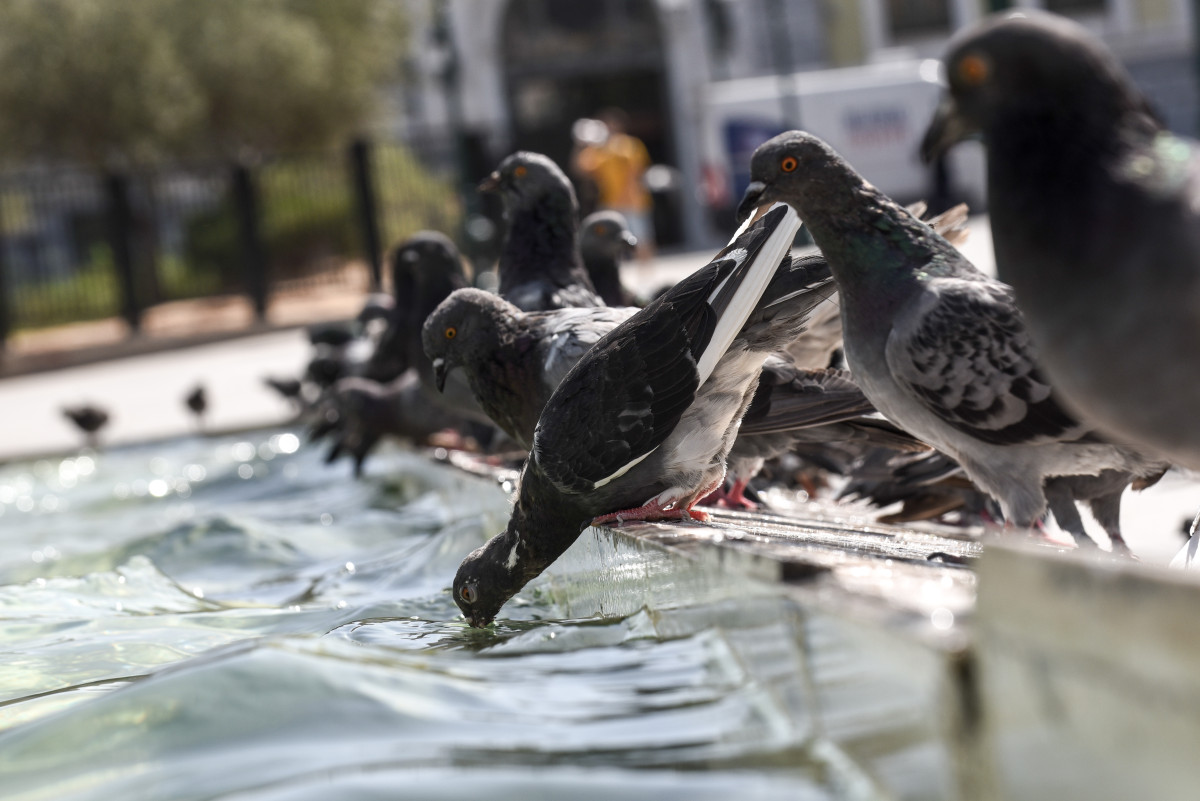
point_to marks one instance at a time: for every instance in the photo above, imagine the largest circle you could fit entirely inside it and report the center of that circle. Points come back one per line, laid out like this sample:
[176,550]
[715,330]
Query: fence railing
[80,245]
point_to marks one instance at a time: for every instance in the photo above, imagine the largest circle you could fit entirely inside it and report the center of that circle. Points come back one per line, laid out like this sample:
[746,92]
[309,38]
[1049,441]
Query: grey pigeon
[1095,214]
[513,360]
[605,241]
[640,426]
[795,406]
[937,346]
[540,265]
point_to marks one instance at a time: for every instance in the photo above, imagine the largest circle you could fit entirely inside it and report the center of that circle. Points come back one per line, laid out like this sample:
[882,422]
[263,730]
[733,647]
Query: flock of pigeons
[639,413]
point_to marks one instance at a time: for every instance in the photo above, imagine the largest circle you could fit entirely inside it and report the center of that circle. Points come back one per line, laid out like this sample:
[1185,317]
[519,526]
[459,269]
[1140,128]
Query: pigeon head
[526,179]
[606,234]
[426,257]
[488,577]
[463,326]
[783,169]
[1029,66]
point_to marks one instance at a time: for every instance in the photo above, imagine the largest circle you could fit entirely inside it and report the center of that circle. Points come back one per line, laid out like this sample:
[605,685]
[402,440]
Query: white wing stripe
[766,261]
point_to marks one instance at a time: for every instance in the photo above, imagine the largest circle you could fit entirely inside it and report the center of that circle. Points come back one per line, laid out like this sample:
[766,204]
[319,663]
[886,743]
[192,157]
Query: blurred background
[174,172]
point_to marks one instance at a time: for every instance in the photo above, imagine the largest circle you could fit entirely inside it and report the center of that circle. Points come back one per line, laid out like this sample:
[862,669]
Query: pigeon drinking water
[639,428]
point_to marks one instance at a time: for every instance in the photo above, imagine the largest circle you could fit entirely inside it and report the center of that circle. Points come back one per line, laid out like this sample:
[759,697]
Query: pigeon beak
[946,128]
[490,184]
[751,200]
[440,369]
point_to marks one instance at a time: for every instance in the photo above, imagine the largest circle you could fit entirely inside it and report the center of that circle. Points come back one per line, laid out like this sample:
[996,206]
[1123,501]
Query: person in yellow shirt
[617,166]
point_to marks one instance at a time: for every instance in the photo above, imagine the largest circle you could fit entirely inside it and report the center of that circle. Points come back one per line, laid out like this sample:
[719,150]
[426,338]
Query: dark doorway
[565,60]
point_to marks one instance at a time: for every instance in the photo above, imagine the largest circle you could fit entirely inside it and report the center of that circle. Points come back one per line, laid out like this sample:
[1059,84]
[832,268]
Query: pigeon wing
[627,394]
[963,351]
[619,402]
[790,398]
[566,334]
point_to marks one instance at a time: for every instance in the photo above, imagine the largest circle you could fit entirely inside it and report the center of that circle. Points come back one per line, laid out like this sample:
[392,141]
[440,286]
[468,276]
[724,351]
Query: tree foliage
[102,80]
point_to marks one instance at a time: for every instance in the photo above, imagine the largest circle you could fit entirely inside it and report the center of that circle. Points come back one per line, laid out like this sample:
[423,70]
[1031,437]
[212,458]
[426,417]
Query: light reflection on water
[230,618]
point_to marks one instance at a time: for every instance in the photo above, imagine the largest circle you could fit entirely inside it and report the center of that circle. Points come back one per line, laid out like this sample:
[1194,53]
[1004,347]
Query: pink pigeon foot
[736,498]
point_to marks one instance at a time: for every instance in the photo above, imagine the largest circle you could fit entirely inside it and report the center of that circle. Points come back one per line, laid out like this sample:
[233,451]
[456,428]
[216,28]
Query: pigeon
[513,360]
[937,346]
[89,419]
[639,427]
[197,403]
[1095,215]
[794,406]
[400,396]
[361,412]
[604,242]
[290,389]
[540,265]
[425,268]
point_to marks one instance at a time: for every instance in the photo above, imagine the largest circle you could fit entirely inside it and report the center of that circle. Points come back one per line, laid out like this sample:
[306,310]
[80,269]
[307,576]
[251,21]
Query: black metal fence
[79,245]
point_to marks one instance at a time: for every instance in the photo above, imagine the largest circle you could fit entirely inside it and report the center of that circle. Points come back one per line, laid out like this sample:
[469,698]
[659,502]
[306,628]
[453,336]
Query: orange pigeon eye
[973,69]
[468,594]
[601,230]
[451,332]
[519,171]
[789,164]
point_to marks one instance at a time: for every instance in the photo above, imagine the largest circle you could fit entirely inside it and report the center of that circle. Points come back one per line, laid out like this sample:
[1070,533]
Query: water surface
[232,619]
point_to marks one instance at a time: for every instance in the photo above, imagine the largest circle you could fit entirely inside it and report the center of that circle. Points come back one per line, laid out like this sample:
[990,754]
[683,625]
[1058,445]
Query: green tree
[101,80]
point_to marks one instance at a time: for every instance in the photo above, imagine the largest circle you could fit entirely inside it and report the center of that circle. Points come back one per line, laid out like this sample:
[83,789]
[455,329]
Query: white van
[873,115]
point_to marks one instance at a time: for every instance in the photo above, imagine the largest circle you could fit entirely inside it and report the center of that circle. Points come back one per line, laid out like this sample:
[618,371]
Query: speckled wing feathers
[986,383]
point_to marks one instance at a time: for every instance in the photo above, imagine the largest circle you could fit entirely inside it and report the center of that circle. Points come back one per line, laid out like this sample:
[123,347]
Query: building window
[909,18]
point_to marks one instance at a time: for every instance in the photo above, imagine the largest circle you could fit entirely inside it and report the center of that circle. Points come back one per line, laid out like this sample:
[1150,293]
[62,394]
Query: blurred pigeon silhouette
[290,389]
[197,403]
[89,419]
[605,241]
[540,266]
[937,346]
[1095,215]
[361,412]
[425,268]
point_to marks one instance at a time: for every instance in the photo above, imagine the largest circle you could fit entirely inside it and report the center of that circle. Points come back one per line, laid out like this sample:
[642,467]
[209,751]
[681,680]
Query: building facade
[510,74]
